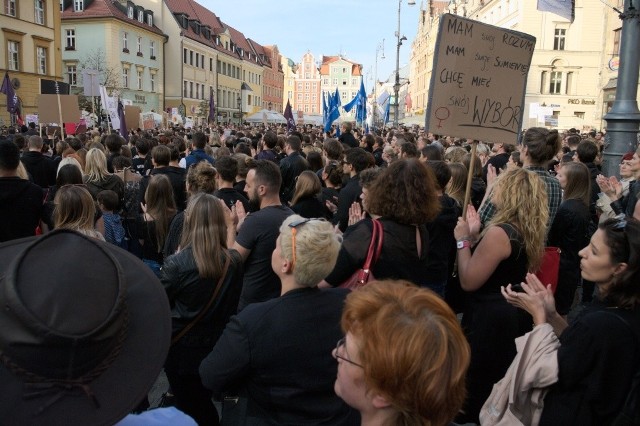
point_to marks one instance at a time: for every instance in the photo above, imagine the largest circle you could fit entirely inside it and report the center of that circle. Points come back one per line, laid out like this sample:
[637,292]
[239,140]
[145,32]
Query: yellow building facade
[30,50]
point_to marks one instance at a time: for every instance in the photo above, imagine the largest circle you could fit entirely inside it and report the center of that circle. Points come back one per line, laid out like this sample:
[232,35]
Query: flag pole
[60,115]
[467,193]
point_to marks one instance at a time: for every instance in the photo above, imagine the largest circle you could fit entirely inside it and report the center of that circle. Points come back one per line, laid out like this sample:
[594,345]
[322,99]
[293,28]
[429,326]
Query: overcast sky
[326,27]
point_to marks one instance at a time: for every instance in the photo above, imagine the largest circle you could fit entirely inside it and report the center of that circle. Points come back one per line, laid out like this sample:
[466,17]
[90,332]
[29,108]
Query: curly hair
[201,178]
[412,350]
[405,192]
[522,203]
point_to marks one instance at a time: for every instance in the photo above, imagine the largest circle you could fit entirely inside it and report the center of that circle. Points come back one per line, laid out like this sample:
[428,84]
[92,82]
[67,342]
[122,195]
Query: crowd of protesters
[250,229]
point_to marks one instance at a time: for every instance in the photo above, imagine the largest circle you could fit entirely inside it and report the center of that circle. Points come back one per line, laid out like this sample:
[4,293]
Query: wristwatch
[460,244]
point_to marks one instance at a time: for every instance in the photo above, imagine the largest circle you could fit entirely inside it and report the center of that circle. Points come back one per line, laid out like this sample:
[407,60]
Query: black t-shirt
[230,196]
[259,233]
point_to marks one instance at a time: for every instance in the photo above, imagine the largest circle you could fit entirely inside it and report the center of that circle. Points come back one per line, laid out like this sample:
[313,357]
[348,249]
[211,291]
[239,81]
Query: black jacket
[349,193]
[188,293]
[110,182]
[20,208]
[177,176]
[290,167]
[310,207]
[278,354]
[42,168]
[349,139]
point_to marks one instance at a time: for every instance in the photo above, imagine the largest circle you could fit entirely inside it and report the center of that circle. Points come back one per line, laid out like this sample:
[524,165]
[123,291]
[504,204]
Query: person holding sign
[511,244]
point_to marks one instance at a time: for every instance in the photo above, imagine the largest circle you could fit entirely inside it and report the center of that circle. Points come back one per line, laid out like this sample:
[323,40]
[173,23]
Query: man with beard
[258,232]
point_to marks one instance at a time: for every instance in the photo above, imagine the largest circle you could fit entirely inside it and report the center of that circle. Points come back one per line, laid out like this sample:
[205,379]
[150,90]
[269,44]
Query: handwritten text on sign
[478,81]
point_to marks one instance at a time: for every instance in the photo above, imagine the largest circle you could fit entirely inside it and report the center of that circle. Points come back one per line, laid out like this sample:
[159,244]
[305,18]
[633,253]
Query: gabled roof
[206,18]
[356,69]
[107,9]
[264,55]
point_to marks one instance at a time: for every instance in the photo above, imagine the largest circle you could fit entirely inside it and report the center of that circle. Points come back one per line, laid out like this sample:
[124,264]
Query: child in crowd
[113,229]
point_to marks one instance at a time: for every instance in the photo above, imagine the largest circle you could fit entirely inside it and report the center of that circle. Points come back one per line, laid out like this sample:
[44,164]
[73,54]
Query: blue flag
[123,123]
[212,107]
[288,114]
[334,110]
[563,8]
[325,109]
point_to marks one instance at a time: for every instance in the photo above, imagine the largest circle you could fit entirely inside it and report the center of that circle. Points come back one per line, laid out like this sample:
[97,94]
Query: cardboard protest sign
[132,116]
[148,121]
[48,111]
[478,81]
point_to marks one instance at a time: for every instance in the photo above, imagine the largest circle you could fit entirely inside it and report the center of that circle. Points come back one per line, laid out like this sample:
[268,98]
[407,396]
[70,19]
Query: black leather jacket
[189,294]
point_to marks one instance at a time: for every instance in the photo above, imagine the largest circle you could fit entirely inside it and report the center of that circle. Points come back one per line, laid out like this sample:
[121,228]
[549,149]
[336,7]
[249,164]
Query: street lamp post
[375,83]
[240,109]
[396,86]
[624,117]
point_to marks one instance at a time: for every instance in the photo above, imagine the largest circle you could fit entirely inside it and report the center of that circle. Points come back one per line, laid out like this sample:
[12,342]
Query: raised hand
[355,213]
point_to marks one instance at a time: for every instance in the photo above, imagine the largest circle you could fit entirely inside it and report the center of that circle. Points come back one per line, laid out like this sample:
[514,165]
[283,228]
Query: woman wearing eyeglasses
[276,355]
[600,351]
[404,356]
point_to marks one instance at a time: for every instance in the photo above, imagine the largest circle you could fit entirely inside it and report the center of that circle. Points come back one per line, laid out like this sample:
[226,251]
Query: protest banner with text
[478,81]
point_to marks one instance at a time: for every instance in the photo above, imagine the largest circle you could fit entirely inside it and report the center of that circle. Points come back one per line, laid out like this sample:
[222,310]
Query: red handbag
[363,275]
[550,267]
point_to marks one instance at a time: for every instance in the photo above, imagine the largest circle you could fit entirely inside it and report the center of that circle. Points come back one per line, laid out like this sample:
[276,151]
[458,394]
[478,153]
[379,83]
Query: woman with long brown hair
[510,245]
[75,209]
[192,278]
[153,224]
[570,228]
[306,197]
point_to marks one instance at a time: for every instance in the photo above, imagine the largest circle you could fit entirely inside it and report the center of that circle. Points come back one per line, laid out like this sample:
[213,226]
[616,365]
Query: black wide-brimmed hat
[84,331]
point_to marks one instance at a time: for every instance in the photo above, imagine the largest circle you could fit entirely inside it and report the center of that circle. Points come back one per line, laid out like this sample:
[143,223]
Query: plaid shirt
[554,194]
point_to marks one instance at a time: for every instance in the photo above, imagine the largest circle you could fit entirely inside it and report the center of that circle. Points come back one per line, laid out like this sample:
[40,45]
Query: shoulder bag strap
[375,246]
[380,239]
[204,310]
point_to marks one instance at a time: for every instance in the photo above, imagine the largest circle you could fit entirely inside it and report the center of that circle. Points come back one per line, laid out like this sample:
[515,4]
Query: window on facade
[289,94]
[335,81]
[191,57]
[191,89]
[579,114]
[130,12]
[543,80]
[559,38]
[139,79]
[314,85]
[125,41]
[306,108]
[556,82]
[72,75]
[325,81]
[140,16]
[152,49]
[307,86]
[61,5]
[71,40]
[78,5]
[569,86]
[344,70]
[197,59]
[139,44]
[152,82]
[354,81]
[125,77]
[343,95]
[313,108]
[150,20]
[616,41]
[184,56]
[248,99]
[299,96]
[10,7]
[306,96]
[307,75]
[41,58]
[184,89]
[344,81]
[39,11]
[13,50]
[197,90]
